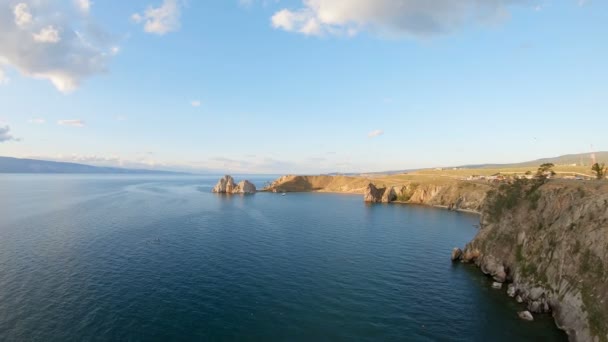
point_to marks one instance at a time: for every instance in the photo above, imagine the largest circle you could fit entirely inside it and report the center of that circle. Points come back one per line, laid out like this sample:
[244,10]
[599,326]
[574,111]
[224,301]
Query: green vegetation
[591,268]
[599,170]
[545,170]
[510,195]
[407,193]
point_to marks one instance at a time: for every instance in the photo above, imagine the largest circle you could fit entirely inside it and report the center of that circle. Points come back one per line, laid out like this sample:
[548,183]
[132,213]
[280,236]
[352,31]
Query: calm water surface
[161,258]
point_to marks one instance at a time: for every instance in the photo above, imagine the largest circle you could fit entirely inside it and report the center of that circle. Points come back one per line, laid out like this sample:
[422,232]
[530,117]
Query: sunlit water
[161,258]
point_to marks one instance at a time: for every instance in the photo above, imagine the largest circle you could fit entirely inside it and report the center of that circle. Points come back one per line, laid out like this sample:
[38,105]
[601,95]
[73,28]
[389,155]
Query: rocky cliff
[292,183]
[226,185]
[550,242]
[452,194]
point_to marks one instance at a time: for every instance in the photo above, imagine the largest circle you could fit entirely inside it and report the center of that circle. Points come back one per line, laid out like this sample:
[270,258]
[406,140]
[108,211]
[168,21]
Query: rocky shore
[549,245]
[226,185]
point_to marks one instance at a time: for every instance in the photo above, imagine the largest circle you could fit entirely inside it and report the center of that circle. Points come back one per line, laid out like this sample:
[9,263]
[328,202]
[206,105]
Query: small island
[226,185]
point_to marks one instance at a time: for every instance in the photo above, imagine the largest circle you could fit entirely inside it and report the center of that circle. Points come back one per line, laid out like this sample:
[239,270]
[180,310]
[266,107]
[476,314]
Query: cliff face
[458,195]
[551,241]
[452,194]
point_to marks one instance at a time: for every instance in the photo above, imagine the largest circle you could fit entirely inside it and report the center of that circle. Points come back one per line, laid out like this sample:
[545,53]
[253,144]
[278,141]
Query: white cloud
[40,40]
[5,134]
[71,122]
[162,19]
[375,133]
[120,118]
[83,5]
[402,17]
[47,34]
[195,103]
[36,121]
[22,14]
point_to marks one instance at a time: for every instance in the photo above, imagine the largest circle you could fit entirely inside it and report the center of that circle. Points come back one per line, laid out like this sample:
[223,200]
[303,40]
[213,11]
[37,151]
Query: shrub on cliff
[510,195]
[599,170]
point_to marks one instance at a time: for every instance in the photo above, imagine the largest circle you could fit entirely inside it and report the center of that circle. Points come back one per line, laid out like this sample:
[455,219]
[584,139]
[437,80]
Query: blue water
[161,258]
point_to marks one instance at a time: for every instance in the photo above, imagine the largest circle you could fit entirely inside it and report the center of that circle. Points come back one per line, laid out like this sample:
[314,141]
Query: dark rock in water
[456,254]
[525,315]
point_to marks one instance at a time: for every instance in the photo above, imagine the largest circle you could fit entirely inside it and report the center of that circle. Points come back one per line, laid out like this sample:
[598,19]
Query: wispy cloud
[5,134]
[71,122]
[162,19]
[36,121]
[195,103]
[375,133]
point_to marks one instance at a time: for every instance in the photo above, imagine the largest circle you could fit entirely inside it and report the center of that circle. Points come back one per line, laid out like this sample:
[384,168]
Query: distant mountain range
[16,165]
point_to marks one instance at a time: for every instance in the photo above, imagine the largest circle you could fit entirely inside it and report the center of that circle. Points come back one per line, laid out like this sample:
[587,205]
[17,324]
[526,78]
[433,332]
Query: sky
[302,86]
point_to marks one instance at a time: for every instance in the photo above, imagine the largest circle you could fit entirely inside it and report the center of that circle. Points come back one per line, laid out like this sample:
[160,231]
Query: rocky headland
[226,185]
[549,244]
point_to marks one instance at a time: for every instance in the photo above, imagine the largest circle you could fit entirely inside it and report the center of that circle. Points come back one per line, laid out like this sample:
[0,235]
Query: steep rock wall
[552,243]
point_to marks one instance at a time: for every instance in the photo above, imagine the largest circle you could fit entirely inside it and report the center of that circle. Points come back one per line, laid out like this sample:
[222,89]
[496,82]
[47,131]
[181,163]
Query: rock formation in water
[373,194]
[226,185]
[244,187]
[550,243]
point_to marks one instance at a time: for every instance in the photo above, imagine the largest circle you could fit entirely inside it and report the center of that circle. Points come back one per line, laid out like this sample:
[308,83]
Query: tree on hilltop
[599,170]
[545,170]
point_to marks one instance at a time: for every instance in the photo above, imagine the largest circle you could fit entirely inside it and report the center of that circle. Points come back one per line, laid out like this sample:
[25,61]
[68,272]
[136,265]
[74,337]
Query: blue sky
[297,86]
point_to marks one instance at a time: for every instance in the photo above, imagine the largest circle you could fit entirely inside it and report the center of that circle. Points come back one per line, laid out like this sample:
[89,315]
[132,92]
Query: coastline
[512,248]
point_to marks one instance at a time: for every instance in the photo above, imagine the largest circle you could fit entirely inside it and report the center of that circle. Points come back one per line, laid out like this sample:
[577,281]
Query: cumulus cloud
[23,17]
[160,20]
[36,121]
[5,134]
[71,122]
[403,17]
[195,103]
[45,40]
[375,133]
[47,34]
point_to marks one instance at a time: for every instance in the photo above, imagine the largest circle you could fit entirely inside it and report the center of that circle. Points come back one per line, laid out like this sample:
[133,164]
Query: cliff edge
[550,242]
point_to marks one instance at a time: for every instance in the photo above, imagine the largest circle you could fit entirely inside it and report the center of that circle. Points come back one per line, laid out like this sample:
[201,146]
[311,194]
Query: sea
[161,258]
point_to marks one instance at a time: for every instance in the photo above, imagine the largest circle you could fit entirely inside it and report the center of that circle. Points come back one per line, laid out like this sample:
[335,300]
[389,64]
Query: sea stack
[226,185]
[373,194]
